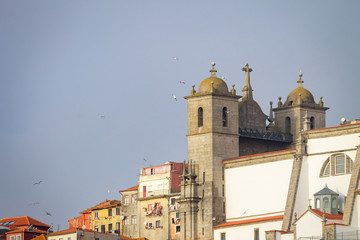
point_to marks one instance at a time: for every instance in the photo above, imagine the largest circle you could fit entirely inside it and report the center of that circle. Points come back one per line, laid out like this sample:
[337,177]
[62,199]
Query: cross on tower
[247,90]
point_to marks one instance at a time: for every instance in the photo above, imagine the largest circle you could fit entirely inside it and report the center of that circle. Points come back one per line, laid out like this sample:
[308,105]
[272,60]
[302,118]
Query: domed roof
[219,85]
[306,96]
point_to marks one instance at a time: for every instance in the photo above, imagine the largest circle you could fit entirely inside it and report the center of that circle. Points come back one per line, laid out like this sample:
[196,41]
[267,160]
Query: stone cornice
[259,158]
[332,131]
[199,95]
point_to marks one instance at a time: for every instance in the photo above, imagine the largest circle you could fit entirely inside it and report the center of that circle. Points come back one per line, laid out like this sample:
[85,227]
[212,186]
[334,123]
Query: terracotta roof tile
[328,216]
[40,237]
[254,220]
[103,205]
[130,189]
[23,221]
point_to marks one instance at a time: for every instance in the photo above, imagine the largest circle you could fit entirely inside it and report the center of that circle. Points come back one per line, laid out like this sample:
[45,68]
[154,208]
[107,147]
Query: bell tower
[213,126]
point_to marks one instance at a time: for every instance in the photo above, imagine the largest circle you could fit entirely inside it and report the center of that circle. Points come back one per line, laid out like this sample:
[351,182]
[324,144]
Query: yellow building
[106,216]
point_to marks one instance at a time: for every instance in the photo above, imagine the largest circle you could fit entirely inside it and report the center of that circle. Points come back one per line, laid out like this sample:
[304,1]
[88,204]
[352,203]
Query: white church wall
[257,189]
[309,225]
[247,231]
[330,144]
[287,236]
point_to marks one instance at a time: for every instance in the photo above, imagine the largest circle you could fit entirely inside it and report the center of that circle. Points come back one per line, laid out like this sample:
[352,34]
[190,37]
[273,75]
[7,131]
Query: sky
[86,86]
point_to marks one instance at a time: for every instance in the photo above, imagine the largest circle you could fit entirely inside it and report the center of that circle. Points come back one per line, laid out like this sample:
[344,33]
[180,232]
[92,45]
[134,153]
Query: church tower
[213,125]
[299,107]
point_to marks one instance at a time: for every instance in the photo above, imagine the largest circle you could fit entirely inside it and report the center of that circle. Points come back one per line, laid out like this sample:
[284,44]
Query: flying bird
[47,213]
[102,116]
[175,58]
[174,97]
[38,183]
[144,159]
[244,212]
[181,82]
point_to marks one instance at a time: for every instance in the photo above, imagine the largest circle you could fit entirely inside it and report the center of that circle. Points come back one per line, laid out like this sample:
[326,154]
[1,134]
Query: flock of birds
[37,203]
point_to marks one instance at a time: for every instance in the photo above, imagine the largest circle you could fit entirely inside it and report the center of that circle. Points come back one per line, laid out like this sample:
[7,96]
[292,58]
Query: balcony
[155,193]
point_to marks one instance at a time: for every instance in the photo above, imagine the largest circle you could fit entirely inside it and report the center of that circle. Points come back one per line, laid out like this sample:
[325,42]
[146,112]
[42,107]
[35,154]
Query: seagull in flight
[144,159]
[174,97]
[175,58]
[38,183]
[102,116]
[47,213]
[181,82]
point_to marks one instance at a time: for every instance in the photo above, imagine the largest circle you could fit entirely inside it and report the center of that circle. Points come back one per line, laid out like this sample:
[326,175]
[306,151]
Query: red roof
[259,154]
[130,189]
[328,216]
[103,205]
[40,237]
[21,230]
[254,220]
[23,221]
[71,230]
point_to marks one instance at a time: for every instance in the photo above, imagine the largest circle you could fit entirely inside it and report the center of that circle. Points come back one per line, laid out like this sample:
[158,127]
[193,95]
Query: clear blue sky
[66,63]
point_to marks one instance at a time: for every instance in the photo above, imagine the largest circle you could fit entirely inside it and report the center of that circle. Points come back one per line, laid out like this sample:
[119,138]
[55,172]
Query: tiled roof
[71,230]
[23,221]
[328,216]
[103,205]
[258,154]
[326,191]
[254,220]
[40,237]
[130,189]
[27,230]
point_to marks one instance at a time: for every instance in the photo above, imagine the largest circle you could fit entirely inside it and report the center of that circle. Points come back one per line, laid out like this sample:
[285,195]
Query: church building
[290,178]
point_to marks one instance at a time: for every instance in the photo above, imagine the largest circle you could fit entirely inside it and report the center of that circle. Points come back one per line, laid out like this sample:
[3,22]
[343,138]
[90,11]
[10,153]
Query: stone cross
[247,91]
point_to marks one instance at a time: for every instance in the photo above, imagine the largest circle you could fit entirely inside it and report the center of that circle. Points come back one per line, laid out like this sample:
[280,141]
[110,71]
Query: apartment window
[173,201]
[133,198]
[12,237]
[157,223]
[117,211]
[126,200]
[110,212]
[150,225]
[96,214]
[117,226]
[133,219]
[256,234]
[177,214]
[96,228]
[223,236]
[110,227]
[127,221]
[177,229]
[102,228]
[18,237]
[89,219]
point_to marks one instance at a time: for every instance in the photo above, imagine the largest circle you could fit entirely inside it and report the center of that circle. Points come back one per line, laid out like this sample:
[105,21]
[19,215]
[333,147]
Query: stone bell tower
[213,125]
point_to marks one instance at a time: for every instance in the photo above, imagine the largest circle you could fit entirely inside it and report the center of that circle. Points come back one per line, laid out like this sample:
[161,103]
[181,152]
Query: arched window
[317,204]
[224,117]
[312,123]
[326,202]
[333,203]
[337,164]
[200,117]
[287,125]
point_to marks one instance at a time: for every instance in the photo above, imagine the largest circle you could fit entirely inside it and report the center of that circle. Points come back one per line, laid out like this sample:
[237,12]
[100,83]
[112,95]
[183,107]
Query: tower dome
[213,84]
[299,95]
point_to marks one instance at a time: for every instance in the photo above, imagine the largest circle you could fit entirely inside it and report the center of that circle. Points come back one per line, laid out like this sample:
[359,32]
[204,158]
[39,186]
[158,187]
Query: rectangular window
[150,225]
[96,228]
[339,164]
[89,219]
[126,200]
[223,190]
[110,227]
[202,231]
[256,234]
[117,226]
[202,214]
[177,214]
[127,221]
[110,212]
[133,220]
[157,223]
[177,229]
[223,236]
[12,237]
[117,211]
[102,228]
[96,215]
[69,238]
[18,237]
[133,198]
[223,207]
[173,201]
[203,177]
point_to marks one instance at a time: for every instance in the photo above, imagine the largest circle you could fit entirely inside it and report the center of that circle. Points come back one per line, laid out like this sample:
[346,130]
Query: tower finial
[300,81]
[247,90]
[271,116]
[213,70]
